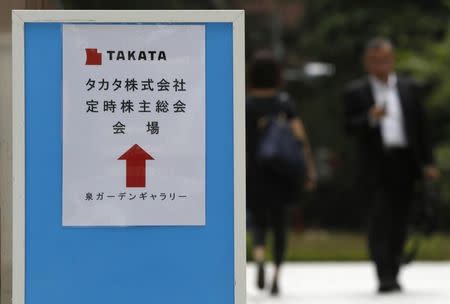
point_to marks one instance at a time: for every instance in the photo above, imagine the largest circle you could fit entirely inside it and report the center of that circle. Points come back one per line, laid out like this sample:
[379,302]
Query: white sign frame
[20,17]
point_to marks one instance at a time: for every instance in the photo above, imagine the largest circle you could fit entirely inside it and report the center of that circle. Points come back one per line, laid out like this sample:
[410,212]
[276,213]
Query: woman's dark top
[262,186]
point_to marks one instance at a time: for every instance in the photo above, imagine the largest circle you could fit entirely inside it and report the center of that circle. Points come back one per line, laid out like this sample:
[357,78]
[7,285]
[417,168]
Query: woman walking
[268,191]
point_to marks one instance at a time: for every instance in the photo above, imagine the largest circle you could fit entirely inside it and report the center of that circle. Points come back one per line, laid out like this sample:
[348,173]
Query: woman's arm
[300,132]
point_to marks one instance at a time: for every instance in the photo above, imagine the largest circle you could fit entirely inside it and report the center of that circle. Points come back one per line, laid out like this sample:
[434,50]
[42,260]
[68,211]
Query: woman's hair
[264,71]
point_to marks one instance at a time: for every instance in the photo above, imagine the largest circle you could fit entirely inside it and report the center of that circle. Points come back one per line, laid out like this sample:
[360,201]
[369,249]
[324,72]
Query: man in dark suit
[384,112]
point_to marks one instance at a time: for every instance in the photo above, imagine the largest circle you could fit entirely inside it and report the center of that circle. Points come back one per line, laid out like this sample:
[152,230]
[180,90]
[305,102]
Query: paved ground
[352,283]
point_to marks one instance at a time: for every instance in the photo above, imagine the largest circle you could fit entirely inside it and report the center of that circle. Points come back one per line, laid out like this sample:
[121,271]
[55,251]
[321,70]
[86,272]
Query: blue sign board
[54,263]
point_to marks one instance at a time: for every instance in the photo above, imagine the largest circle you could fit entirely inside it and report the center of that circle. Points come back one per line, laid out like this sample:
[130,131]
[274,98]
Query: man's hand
[431,173]
[376,113]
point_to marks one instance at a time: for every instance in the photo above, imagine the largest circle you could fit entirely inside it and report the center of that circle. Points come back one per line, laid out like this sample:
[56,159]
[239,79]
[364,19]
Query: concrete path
[352,283]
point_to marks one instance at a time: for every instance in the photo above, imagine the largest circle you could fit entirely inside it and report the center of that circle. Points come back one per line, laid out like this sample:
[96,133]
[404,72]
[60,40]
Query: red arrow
[136,171]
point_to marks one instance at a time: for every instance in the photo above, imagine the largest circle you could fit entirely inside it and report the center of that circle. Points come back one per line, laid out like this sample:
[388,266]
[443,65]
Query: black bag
[279,151]
[424,219]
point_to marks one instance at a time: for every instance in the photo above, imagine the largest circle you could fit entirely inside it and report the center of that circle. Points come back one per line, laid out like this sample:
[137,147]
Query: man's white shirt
[392,127]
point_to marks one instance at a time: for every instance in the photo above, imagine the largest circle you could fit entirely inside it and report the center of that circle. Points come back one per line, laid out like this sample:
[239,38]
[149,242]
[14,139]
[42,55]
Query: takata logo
[93,57]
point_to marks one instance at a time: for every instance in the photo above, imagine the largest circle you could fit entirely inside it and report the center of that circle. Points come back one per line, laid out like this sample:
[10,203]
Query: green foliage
[345,246]
[431,65]
[336,32]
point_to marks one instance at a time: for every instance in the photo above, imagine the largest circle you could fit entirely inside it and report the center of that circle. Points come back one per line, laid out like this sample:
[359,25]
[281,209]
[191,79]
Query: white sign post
[133,125]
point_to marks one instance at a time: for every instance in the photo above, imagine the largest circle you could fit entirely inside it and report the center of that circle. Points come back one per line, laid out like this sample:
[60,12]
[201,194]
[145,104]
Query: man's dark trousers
[391,199]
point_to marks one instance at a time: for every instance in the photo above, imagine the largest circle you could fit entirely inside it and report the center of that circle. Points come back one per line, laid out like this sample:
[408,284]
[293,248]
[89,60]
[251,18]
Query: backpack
[279,151]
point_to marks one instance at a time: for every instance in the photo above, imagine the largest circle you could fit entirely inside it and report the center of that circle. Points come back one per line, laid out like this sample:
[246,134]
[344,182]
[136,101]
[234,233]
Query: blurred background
[320,43]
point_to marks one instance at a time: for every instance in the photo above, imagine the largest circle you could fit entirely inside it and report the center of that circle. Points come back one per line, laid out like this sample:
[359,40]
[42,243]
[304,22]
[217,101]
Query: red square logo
[93,57]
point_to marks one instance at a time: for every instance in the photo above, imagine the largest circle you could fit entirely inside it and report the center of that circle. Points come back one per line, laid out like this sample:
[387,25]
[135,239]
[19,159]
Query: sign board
[133,125]
[128,169]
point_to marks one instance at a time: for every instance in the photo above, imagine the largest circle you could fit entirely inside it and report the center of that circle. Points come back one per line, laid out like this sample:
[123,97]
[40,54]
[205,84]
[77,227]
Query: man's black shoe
[389,287]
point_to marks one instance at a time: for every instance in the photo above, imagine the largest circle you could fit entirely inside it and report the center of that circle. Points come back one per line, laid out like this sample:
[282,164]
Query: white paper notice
[133,125]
